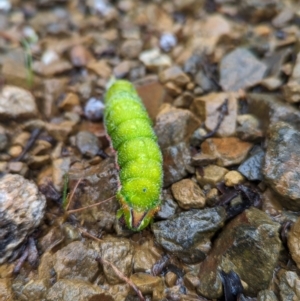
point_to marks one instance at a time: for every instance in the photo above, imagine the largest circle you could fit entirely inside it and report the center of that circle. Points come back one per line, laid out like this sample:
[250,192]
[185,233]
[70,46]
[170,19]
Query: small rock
[71,100]
[17,103]
[283,17]
[145,256]
[93,109]
[207,108]
[173,89]
[5,289]
[154,60]
[146,283]
[184,100]
[37,162]
[271,204]
[60,131]
[233,178]
[257,11]
[240,69]
[3,139]
[188,234]
[212,197]
[22,208]
[269,109]
[76,290]
[176,161]
[103,174]
[229,150]
[289,286]
[167,41]
[248,128]
[101,68]
[60,167]
[211,175]
[252,167]
[58,66]
[119,252]
[294,242]
[271,83]
[251,235]
[168,206]
[266,295]
[291,89]
[122,69]
[131,49]
[174,74]
[188,194]
[198,137]
[87,143]
[36,290]
[80,56]
[75,261]
[174,126]
[203,159]
[170,279]
[15,151]
[281,168]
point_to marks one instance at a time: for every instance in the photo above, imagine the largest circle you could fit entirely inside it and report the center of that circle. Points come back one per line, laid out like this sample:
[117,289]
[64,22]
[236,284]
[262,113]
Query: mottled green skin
[138,155]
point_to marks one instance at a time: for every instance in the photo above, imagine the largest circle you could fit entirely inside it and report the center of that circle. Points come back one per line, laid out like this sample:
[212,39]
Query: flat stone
[174,74]
[188,234]
[22,208]
[249,245]
[211,175]
[207,108]
[281,168]
[240,69]
[233,178]
[188,194]
[174,126]
[131,49]
[228,150]
[289,286]
[17,103]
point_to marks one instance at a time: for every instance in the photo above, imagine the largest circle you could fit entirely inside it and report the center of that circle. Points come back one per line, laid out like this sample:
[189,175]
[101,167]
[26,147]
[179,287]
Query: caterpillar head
[136,219]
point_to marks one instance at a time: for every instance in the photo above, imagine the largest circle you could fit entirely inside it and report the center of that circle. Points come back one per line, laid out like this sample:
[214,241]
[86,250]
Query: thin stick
[122,277]
[90,206]
[72,194]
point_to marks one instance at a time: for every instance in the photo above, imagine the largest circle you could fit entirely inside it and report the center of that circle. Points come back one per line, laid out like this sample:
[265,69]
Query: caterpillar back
[138,154]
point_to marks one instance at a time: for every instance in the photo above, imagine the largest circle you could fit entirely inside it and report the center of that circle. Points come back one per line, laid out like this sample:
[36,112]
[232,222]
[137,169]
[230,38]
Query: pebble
[282,154]
[228,150]
[154,60]
[248,128]
[101,68]
[122,69]
[168,206]
[167,41]
[3,139]
[17,103]
[87,143]
[251,168]
[266,295]
[170,279]
[94,109]
[35,289]
[69,102]
[60,131]
[75,261]
[188,194]
[60,167]
[119,252]
[5,288]
[201,159]
[80,56]
[294,242]
[175,125]
[252,234]
[233,178]
[56,67]
[176,161]
[240,69]
[188,234]
[211,175]
[22,208]
[184,100]
[291,89]
[15,151]
[130,49]
[174,74]
[289,286]
[206,108]
[76,290]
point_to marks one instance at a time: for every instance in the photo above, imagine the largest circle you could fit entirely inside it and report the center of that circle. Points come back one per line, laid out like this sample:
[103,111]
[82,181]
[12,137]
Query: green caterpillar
[138,154]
